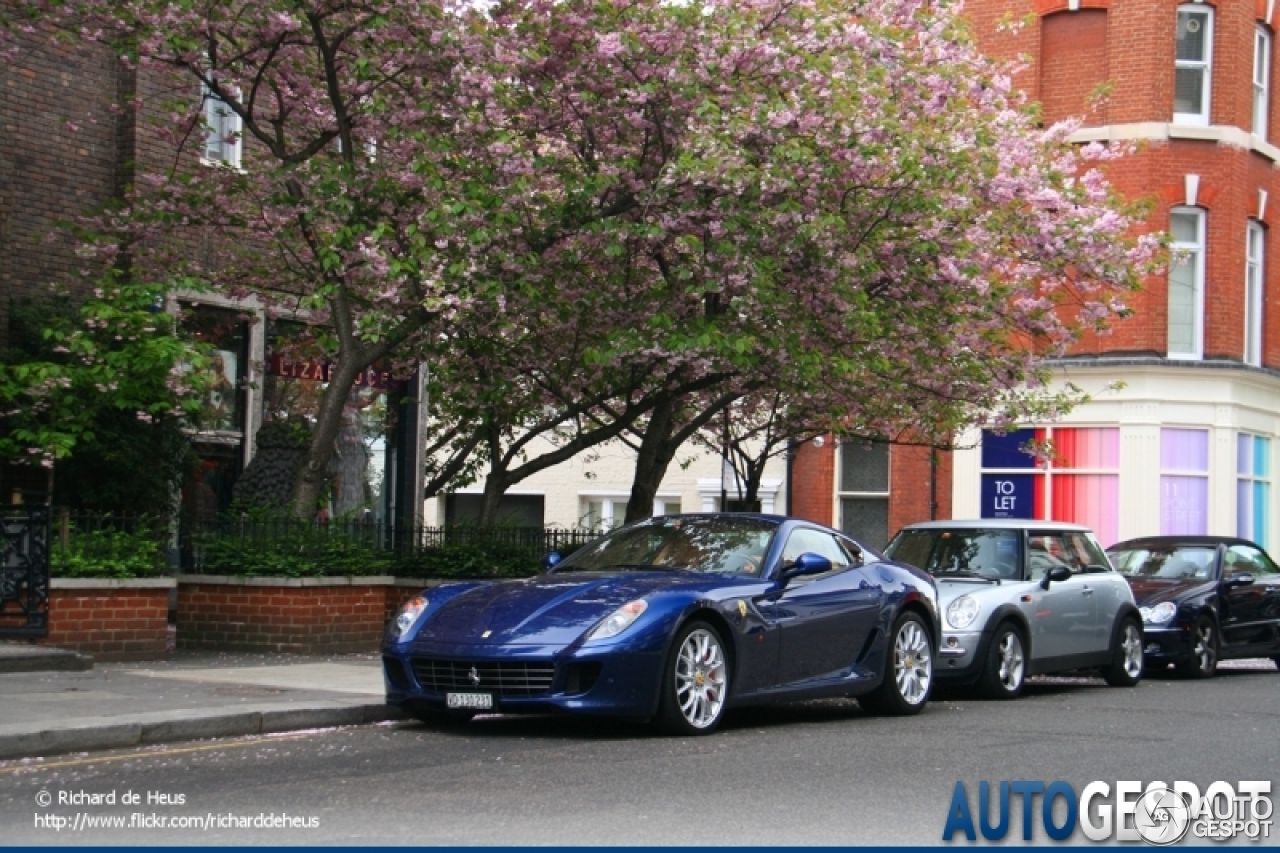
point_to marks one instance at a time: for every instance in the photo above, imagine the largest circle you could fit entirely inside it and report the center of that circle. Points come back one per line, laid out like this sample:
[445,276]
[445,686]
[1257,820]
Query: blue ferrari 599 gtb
[677,618]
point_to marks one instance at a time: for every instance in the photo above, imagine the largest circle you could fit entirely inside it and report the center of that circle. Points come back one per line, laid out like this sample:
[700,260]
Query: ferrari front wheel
[908,676]
[695,682]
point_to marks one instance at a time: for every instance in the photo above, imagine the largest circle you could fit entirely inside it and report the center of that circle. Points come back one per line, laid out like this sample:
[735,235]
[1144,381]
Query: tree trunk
[308,486]
[495,484]
[655,455]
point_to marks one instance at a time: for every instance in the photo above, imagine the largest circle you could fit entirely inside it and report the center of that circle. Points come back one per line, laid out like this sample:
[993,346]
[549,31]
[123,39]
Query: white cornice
[1157,131]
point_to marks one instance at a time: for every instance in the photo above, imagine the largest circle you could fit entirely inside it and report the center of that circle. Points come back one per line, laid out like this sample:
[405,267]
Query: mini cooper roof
[996,524]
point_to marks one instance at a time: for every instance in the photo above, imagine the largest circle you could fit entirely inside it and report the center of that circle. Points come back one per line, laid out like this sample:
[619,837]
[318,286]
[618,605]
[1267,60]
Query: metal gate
[24,572]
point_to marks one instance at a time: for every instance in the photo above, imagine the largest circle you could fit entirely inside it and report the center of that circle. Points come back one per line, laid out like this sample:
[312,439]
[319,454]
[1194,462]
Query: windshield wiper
[964,574]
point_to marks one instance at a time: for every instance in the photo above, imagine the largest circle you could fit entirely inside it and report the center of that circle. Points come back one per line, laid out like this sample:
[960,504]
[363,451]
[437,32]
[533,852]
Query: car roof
[996,524]
[1176,539]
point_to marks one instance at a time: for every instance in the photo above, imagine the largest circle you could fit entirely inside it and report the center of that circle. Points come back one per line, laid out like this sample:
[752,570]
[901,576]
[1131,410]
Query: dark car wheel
[1203,662]
[695,682]
[1125,669]
[1006,668]
[908,676]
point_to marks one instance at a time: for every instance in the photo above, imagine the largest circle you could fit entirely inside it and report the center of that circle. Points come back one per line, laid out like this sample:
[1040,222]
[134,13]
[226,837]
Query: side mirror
[1241,579]
[550,561]
[1056,574]
[807,563]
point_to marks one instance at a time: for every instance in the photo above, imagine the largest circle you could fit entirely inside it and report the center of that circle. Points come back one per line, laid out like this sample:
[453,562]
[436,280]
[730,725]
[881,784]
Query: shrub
[108,552]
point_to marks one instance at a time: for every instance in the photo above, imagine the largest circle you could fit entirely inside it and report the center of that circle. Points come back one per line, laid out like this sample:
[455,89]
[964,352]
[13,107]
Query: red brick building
[1180,433]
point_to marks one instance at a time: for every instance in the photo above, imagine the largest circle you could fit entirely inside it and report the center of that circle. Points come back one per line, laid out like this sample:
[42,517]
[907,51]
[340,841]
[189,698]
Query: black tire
[1125,669]
[908,670]
[1005,670]
[1203,662]
[695,681]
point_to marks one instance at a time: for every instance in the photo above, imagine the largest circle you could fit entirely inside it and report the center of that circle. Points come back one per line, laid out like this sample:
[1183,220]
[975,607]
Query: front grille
[504,678]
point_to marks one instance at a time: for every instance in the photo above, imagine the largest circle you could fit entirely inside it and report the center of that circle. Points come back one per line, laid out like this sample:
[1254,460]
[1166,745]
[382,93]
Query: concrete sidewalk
[188,695]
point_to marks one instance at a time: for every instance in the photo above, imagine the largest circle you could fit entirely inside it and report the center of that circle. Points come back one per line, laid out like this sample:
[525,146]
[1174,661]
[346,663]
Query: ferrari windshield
[716,545]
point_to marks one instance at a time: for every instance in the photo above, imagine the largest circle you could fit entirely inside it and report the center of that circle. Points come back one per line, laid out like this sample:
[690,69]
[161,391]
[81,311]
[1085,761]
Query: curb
[146,729]
[15,658]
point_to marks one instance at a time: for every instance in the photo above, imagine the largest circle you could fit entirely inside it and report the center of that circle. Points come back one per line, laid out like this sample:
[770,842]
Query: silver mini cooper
[1024,597]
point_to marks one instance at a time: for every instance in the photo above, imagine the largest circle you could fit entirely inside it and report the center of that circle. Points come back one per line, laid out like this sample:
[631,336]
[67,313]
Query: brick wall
[302,616]
[813,481]
[910,474]
[124,622]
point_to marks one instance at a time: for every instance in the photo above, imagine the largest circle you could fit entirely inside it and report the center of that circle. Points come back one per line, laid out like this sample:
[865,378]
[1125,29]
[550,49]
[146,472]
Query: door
[1251,611]
[1065,619]
[824,620]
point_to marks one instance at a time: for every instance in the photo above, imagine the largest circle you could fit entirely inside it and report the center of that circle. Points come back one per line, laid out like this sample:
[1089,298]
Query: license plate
[469,700]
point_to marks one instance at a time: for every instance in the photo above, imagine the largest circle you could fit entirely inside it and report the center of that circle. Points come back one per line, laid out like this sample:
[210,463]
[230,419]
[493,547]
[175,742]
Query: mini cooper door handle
[1087,591]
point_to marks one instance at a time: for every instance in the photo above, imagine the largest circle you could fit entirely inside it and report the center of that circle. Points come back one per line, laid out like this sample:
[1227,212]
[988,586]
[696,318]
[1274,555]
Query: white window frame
[221,124]
[1254,278]
[1197,252]
[1261,80]
[1205,66]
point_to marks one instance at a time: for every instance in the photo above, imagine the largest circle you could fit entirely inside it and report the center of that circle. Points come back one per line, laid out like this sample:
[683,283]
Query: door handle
[1087,591]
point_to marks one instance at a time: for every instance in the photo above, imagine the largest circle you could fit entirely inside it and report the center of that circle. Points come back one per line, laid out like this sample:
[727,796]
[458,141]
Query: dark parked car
[677,618]
[1203,599]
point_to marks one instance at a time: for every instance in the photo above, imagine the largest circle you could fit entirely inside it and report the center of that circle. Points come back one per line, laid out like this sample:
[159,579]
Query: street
[819,773]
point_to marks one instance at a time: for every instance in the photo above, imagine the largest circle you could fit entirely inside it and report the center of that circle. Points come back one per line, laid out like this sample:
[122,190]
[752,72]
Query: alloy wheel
[1205,654]
[912,663]
[701,678]
[1012,662]
[1131,647]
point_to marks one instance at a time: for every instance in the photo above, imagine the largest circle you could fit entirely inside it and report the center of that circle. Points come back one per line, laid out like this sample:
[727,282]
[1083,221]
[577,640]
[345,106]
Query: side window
[1244,559]
[809,541]
[1046,549]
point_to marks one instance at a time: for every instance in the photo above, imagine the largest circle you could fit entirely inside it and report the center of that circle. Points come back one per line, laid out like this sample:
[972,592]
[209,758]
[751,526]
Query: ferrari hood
[1151,591]
[548,609]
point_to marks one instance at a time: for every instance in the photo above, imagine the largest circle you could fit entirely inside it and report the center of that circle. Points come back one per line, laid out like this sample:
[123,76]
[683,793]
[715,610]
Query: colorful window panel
[1184,481]
[1080,483]
[1253,487]
[1085,479]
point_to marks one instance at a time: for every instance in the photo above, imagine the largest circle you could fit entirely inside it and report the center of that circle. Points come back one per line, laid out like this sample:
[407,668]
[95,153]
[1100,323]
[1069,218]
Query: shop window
[1253,287]
[864,491]
[1253,487]
[1186,283]
[1060,473]
[1184,481]
[297,373]
[225,332]
[1193,66]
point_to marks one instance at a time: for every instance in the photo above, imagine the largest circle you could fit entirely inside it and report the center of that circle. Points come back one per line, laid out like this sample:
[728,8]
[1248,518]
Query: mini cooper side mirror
[1056,574]
[550,561]
[807,563]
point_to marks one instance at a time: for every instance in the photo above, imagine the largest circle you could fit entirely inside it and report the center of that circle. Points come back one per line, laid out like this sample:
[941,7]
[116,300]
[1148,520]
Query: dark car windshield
[731,546]
[1174,562]
[981,553]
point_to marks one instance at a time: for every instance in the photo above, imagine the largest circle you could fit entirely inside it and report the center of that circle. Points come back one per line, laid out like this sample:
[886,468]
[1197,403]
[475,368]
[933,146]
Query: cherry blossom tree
[593,214]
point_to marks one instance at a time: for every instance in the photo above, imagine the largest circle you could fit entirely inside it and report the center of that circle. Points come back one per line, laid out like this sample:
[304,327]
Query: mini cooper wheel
[1203,662]
[1005,671]
[908,676]
[1125,669]
[695,682]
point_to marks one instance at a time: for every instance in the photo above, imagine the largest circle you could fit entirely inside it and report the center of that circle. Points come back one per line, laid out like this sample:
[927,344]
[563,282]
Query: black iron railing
[24,572]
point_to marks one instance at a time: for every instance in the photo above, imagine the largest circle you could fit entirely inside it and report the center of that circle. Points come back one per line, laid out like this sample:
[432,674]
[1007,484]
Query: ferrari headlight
[1161,614]
[409,613]
[619,620]
[962,612]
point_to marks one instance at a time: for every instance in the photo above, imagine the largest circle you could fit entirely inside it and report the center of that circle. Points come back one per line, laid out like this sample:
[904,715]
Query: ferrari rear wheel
[908,676]
[695,683]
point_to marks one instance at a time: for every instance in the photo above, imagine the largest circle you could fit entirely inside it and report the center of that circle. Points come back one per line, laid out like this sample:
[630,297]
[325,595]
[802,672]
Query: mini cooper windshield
[722,545]
[960,553]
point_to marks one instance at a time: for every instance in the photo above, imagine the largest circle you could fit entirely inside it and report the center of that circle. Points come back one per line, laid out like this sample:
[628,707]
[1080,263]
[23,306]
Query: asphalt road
[820,773]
